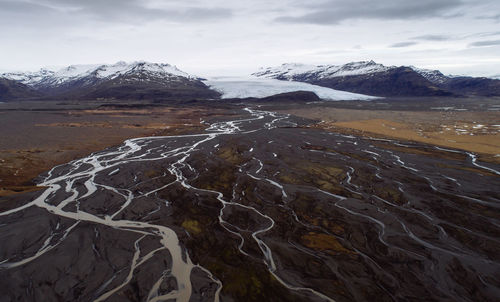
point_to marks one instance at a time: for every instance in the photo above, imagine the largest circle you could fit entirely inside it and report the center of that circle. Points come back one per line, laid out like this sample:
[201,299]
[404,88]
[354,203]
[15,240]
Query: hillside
[368,77]
[137,80]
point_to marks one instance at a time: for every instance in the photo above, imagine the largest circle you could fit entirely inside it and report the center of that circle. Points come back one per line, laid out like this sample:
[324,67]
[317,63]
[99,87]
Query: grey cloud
[495,33]
[485,43]
[129,11]
[482,34]
[452,16]
[21,7]
[490,17]
[335,11]
[433,38]
[24,15]
[403,44]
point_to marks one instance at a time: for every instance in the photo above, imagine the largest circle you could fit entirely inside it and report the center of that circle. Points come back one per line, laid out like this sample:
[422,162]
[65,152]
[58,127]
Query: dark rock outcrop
[368,77]
[13,90]
[401,81]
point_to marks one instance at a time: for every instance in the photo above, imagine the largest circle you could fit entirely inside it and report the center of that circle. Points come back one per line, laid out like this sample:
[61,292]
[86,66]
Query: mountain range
[163,82]
[137,80]
[368,77]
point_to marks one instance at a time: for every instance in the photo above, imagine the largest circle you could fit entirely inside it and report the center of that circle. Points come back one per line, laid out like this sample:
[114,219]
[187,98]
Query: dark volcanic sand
[36,136]
[263,209]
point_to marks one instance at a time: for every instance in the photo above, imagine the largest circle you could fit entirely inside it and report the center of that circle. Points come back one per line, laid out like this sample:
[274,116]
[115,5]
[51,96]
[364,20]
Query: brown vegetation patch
[232,154]
[192,226]
[35,141]
[331,226]
[475,170]
[10,190]
[474,131]
[322,176]
[324,243]
[485,143]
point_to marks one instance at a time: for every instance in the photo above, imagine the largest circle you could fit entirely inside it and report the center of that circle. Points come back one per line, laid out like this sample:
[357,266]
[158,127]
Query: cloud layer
[220,36]
[485,43]
[123,11]
[403,44]
[434,37]
[335,11]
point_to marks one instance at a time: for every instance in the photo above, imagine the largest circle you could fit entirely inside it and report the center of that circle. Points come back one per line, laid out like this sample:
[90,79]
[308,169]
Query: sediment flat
[467,124]
[36,136]
[261,206]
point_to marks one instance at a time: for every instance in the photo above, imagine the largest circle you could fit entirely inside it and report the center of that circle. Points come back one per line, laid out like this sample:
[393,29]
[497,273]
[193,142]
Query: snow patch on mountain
[240,87]
[28,78]
[434,76]
[303,72]
[291,71]
[75,71]
[45,77]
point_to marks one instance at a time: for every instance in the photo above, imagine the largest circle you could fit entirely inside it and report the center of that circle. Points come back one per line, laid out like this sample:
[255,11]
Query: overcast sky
[211,37]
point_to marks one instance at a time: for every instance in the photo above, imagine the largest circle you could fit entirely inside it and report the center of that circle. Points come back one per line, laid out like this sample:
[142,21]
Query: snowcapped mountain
[153,81]
[120,80]
[365,77]
[28,78]
[435,76]
[368,77]
[93,73]
[293,71]
[300,71]
[143,80]
[10,89]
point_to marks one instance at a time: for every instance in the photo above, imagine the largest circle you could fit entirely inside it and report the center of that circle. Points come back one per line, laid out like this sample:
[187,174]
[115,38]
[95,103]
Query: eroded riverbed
[259,208]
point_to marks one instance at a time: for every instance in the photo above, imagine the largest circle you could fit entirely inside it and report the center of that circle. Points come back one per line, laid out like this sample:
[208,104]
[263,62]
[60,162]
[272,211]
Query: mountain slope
[13,90]
[121,80]
[401,81]
[147,85]
[473,86]
[368,77]
[302,72]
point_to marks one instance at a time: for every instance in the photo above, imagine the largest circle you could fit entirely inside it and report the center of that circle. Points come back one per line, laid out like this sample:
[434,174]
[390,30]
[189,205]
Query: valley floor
[467,124]
[36,136]
[258,207]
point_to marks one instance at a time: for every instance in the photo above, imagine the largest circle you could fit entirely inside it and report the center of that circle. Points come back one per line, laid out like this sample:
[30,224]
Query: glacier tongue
[240,87]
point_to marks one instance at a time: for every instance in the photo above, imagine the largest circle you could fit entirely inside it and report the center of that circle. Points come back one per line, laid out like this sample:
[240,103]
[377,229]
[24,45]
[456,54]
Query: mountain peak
[366,77]
[138,79]
[94,72]
[290,71]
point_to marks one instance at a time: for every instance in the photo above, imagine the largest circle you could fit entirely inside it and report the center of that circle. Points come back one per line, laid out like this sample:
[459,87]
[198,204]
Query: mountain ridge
[136,80]
[369,77]
[162,82]
[46,76]
[10,89]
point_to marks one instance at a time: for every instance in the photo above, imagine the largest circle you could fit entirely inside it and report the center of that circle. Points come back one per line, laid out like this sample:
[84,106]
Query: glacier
[245,87]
